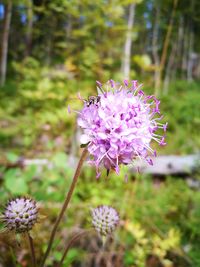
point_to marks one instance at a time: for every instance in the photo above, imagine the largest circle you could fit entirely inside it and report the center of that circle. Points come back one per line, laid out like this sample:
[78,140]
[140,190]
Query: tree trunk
[179,53]
[190,47]
[29,27]
[185,51]
[4,44]
[190,60]
[127,47]
[155,45]
[170,68]
[165,48]
[174,58]
[68,27]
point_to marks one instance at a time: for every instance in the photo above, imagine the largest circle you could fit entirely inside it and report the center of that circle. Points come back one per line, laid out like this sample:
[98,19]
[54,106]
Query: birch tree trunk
[128,43]
[4,44]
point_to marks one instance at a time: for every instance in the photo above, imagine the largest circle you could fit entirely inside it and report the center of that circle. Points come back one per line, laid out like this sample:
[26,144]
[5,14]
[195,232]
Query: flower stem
[70,243]
[65,204]
[31,247]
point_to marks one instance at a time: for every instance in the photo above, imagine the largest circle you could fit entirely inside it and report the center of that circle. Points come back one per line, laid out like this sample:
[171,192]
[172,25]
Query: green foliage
[143,61]
[157,218]
[15,183]
[39,106]
[182,113]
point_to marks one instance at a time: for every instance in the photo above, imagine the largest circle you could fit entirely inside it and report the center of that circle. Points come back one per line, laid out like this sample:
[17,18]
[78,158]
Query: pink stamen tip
[165,126]
[79,96]
[162,142]
[112,83]
[98,174]
[99,83]
[69,109]
[126,178]
[150,161]
[141,92]
[135,84]
[126,82]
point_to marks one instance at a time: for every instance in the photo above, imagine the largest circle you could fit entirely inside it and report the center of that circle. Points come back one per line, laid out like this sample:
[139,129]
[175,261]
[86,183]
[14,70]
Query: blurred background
[50,51]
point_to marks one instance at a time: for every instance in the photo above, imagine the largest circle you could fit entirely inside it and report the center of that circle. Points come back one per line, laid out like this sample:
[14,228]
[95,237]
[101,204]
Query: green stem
[65,204]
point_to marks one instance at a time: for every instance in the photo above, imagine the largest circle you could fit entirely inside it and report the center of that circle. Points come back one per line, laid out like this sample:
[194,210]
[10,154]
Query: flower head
[105,219]
[20,214]
[119,125]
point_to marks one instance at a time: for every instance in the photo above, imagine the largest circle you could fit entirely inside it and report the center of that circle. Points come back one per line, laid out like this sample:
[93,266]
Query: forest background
[50,51]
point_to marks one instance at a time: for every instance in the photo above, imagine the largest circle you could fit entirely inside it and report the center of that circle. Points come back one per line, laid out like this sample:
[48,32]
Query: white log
[166,165]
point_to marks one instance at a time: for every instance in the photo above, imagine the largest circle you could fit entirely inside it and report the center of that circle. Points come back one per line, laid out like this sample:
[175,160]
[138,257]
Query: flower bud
[20,214]
[105,219]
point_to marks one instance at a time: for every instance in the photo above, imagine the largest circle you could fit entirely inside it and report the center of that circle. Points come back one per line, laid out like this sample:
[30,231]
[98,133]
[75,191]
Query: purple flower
[20,214]
[104,219]
[119,125]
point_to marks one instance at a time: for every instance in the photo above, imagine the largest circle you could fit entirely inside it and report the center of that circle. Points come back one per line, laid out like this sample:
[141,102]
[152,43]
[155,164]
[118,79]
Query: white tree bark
[128,43]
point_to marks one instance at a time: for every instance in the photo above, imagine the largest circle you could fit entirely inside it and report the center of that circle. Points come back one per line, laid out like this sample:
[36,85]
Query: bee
[93,100]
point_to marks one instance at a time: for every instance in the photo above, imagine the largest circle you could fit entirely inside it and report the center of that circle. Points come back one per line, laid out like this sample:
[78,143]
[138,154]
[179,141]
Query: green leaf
[60,160]
[16,185]
[12,157]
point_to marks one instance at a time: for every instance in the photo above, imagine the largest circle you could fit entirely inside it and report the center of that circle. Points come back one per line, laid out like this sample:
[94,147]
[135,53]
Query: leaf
[12,157]
[30,172]
[143,61]
[60,160]
[16,185]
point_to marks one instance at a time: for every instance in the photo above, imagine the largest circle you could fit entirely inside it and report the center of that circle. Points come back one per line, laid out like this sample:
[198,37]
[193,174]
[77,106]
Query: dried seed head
[20,214]
[105,219]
